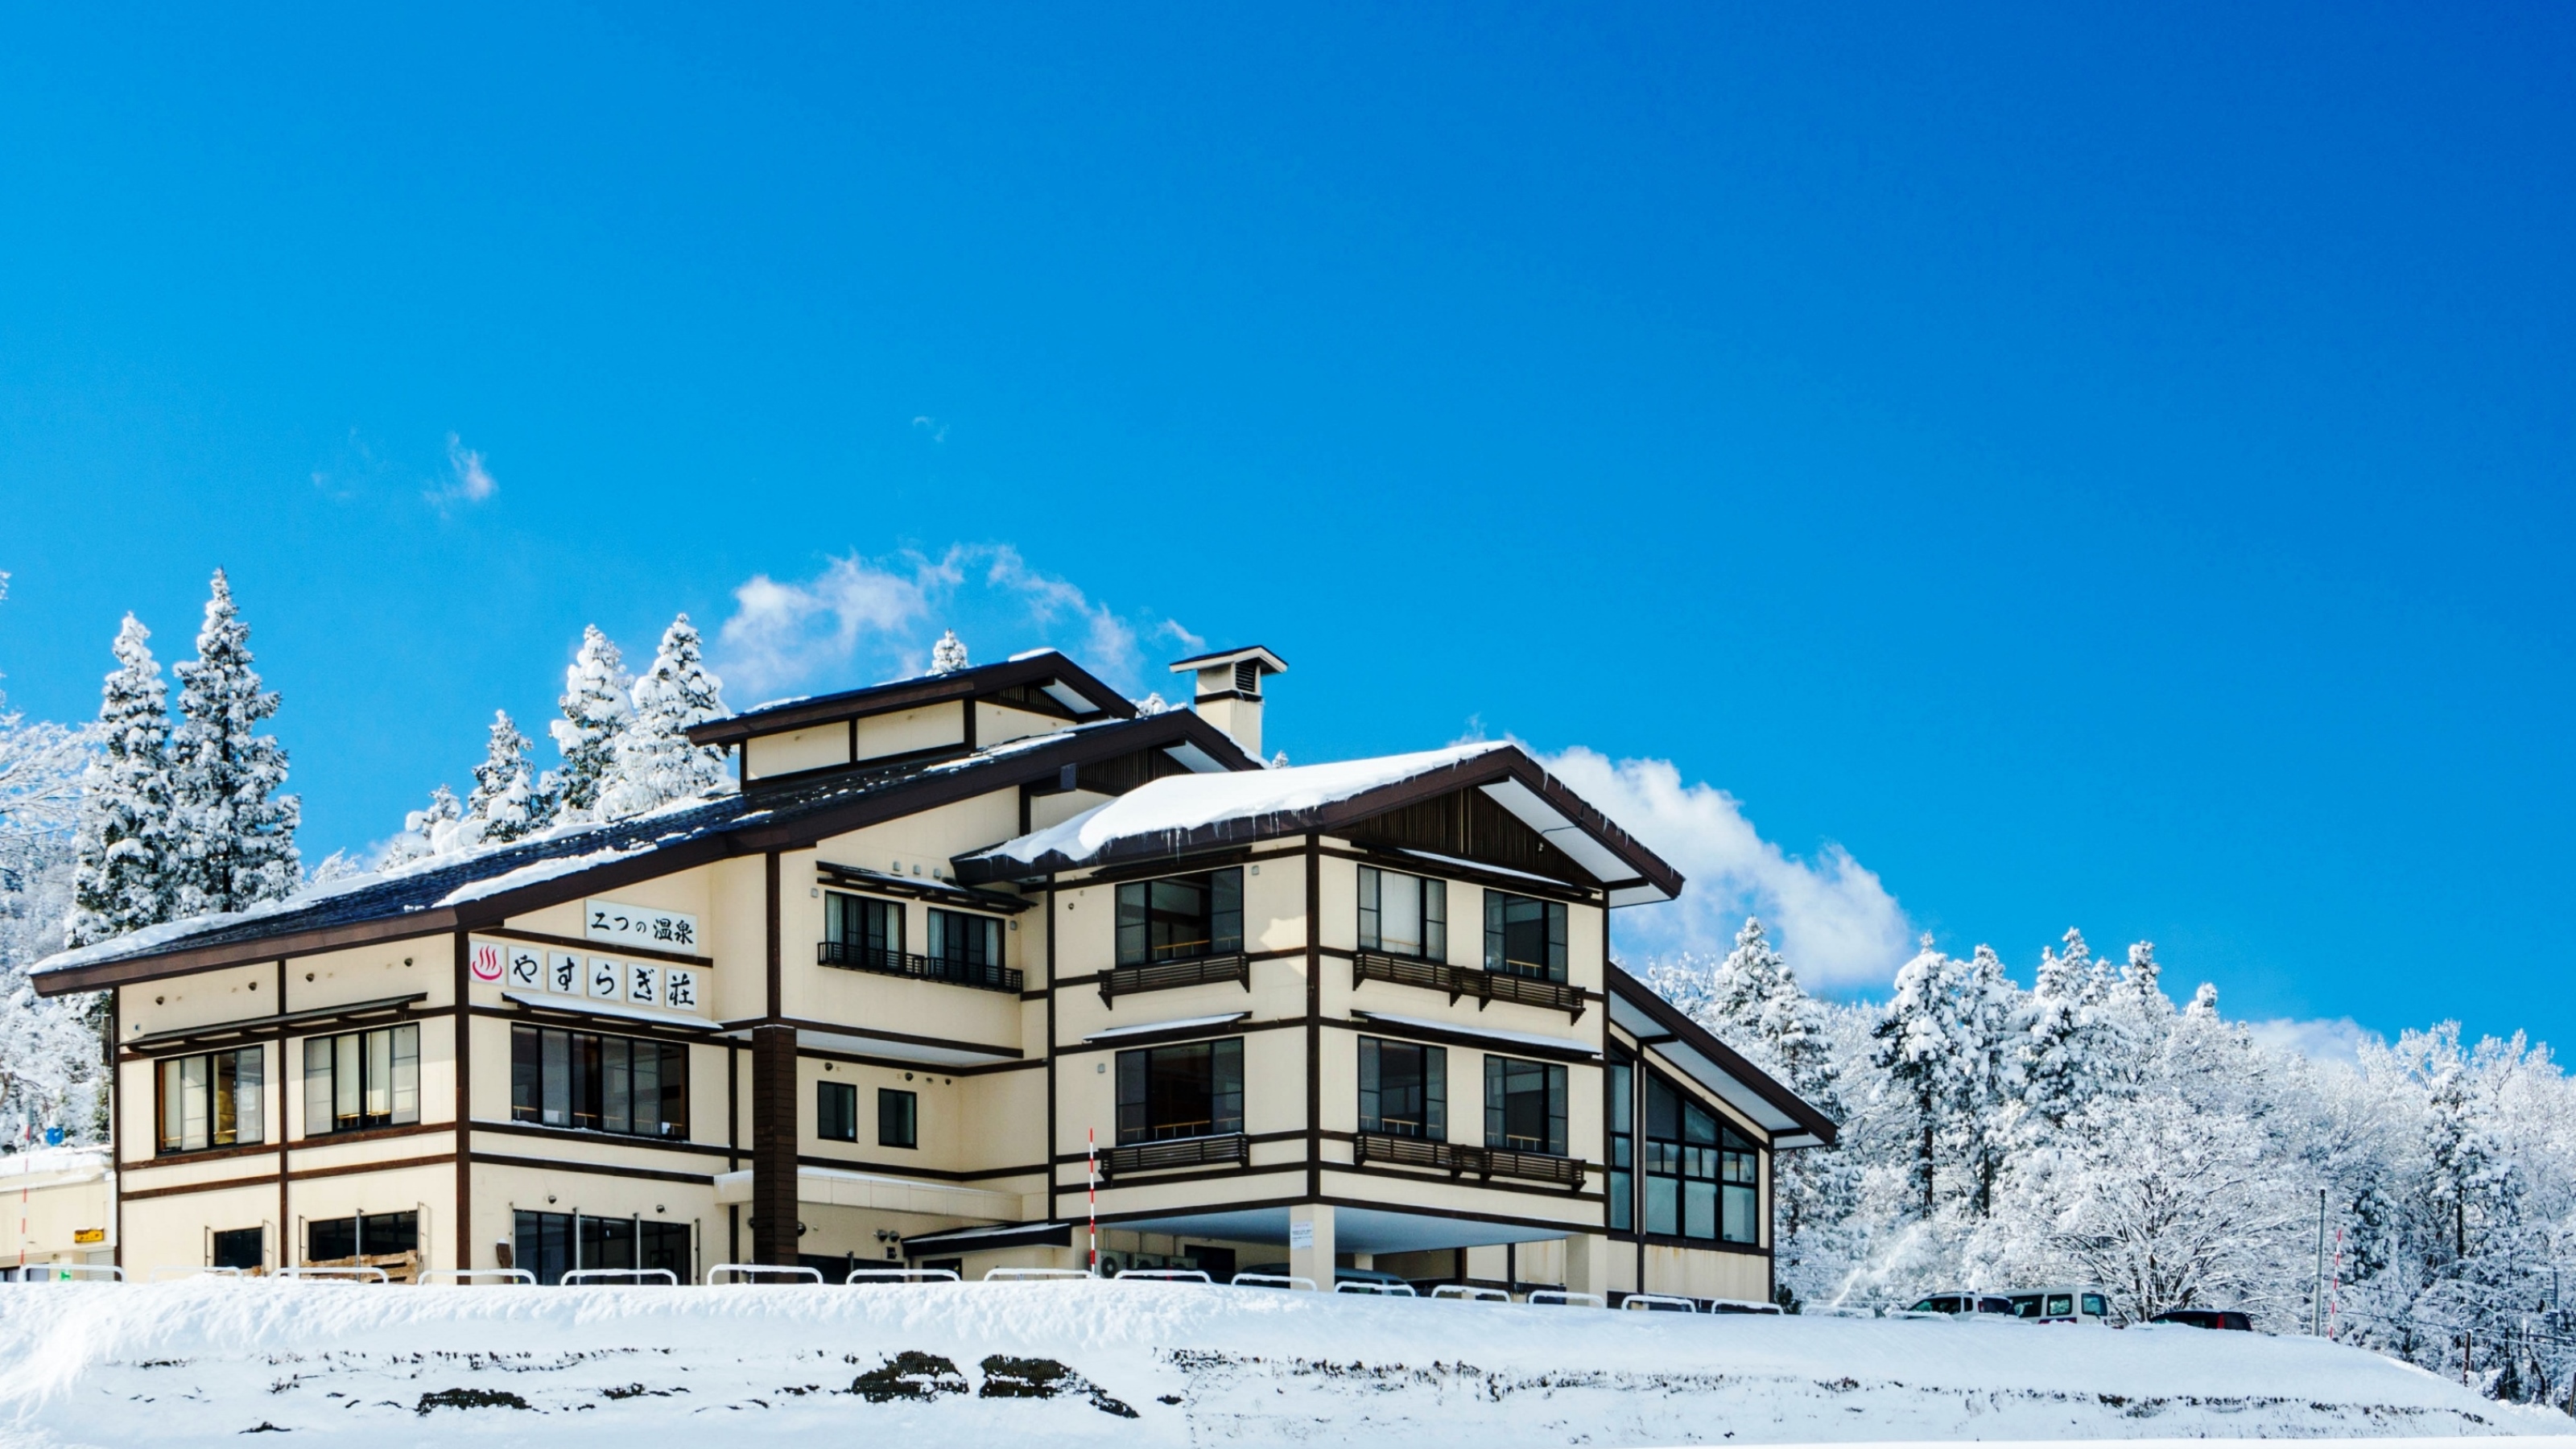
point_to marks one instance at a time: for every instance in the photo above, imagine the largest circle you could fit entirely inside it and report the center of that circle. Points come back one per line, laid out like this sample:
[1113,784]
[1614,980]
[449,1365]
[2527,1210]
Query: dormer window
[1181,918]
[1403,915]
[1524,936]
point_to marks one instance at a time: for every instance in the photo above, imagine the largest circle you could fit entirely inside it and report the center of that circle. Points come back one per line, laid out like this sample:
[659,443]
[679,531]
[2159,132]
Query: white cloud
[469,480]
[880,615]
[1171,629]
[2338,1039]
[1833,919]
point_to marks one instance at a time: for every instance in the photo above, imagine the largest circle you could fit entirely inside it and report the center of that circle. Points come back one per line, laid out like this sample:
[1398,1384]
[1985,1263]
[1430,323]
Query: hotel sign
[597,978]
[611,923]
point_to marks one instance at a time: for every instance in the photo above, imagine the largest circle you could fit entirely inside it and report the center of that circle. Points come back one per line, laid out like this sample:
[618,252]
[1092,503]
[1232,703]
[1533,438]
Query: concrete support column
[1587,1263]
[773,1144]
[1310,1243]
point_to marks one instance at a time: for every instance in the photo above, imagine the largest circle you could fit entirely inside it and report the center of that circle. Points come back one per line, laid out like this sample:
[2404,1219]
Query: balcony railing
[1171,975]
[1228,1150]
[850,956]
[1462,981]
[1459,1160]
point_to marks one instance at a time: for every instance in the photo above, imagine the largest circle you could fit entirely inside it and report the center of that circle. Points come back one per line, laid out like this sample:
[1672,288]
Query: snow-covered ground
[204,1361]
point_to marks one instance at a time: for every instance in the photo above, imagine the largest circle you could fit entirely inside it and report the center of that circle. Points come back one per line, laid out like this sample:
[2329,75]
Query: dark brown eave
[1675,1024]
[1508,763]
[1035,764]
[981,680]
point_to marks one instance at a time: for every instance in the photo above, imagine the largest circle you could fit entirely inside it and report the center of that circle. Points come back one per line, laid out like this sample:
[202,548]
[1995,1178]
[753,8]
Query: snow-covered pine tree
[1991,1016]
[2078,1044]
[233,835]
[428,831]
[122,843]
[505,803]
[656,764]
[948,655]
[595,711]
[1921,1042]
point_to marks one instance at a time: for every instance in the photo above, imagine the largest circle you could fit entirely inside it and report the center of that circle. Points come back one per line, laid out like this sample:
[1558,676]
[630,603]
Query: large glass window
[211,1100]
[1703,1177]
[553,1244]
[1524,1105]
[599,1083]
[1524,936]
[1404,1089]
[1403,915]
[963,940]
[1180,917]
[1191,1090]
[243,1248]
[862,923]
[1620,1085]
[898,1118]
[369,1235]
[360,1080]
[836,1111]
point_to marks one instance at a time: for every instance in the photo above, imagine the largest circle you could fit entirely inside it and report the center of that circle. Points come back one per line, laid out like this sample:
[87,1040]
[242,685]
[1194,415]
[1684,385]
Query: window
[862,924]
[363,1079]
[959,939]
[553,1244]
[898,1118]
[1524,1106]
[243,1248]
[836,1111]
[1404,1089]
[1621,1087]
[211,1101]
[2094,1305]
[1193,1090]
[1704,1178]
[1524,936]
[1403,915]
[369,1235]
[1181,917]
[598,1083]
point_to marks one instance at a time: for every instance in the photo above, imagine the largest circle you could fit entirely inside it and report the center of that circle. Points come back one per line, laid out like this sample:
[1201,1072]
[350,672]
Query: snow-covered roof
[1039,672]
[1196,812]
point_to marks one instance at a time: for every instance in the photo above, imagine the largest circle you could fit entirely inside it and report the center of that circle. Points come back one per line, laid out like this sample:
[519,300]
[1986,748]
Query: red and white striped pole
[1091,1164]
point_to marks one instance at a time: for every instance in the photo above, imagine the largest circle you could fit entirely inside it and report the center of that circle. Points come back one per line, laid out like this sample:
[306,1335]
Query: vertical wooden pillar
[773,1144]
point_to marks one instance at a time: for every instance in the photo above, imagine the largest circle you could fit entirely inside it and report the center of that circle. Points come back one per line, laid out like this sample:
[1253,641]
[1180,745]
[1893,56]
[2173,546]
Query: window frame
[1431,914]
[1557,1088]
[1555,925]
[1620,1171]
[1134,914]
[906,1106]
[587,1060]
[846,1094]
[942,922]
[221,1086]
[1431,1083]
[885,933]
[1134,1086]
[401,1045]
[1709,1173]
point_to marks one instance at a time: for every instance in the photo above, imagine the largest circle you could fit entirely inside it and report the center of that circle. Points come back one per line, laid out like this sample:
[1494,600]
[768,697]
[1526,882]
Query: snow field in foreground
[206,1360]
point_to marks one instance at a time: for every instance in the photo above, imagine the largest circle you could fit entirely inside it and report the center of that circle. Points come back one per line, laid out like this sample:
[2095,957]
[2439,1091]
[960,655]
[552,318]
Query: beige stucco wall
[925,728]
[791,750]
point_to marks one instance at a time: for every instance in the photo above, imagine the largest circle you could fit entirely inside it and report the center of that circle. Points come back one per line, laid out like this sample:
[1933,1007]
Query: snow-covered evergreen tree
[52,1063]
[233,835]
[1924,1038]
[596,709]
[948,655]
[505,803]
[429,831]
[122,845]
[656,763]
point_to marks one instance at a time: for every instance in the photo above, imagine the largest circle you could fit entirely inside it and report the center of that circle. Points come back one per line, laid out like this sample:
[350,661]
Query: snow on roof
[1490,1033]
[37,1162]
[1178,803]
[1185,1024]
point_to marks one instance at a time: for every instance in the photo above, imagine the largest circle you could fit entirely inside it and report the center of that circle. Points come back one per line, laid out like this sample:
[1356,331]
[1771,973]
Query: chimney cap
[1270,663]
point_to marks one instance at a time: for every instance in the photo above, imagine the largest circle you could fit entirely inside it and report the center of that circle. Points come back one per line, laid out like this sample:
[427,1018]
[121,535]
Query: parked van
[2062,1305]
[1963,1304]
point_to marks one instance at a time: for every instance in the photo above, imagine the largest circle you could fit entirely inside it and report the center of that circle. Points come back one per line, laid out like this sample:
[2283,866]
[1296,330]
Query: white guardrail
[903,1275]
[1383,1290]
[1272,1280]
[463,1276]
[1021,1275]
[334,1275]
[742,1273]
[1657,1303]
[1166,1275]
[1566,1297]
[1470,1293]
[632,1277]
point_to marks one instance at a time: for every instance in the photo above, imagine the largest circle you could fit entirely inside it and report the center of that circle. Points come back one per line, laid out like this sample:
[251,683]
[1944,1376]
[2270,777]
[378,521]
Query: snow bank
[203,1361]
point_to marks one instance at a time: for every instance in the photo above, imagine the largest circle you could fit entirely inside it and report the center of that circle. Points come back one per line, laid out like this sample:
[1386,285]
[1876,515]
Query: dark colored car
[2207,1318]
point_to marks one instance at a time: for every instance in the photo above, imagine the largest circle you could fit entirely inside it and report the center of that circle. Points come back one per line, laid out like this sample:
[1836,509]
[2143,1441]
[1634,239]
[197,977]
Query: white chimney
[1229,691]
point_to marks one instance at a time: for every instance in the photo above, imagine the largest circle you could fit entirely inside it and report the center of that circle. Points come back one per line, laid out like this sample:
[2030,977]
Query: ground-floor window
[1524,1105]
[243,1248]
[1404,1089]
[1703,1178]
[368,1235]
[1191,1090]
[211,1100]
[362,1079]
[599,1083]
[553,1244]
[1620,1087]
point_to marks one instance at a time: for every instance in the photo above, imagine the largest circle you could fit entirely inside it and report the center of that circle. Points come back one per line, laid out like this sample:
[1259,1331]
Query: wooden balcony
[852,957]
[1172,975]
[1459,1160]
[1228,1150]
[1463,981]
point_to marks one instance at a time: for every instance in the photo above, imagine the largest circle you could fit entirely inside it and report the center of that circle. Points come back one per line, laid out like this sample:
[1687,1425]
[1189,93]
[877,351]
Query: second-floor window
[1703,1178]
[599,1083]
[1404,1089]
[1191,1090]
[898,1118]
[1181,917]
[1524,1106]
[959,939]
[836,1111]
[1524,936]
[862,923]
[1403,915]
[1620,1085]
[362,1079]
[211,1101]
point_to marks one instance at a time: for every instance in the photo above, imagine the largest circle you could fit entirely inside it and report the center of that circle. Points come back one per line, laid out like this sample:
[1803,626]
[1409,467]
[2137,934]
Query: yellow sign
[89,1235]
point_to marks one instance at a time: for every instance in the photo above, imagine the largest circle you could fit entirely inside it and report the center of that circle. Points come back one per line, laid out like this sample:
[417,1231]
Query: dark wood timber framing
[773,1145]
[1677,1027]
[283,1076]
[464,1105]
[1314,1017]
[1050,1029]
[1016,682]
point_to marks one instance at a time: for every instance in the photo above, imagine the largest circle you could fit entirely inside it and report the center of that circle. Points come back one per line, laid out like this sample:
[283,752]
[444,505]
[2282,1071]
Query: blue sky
[2048,469]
